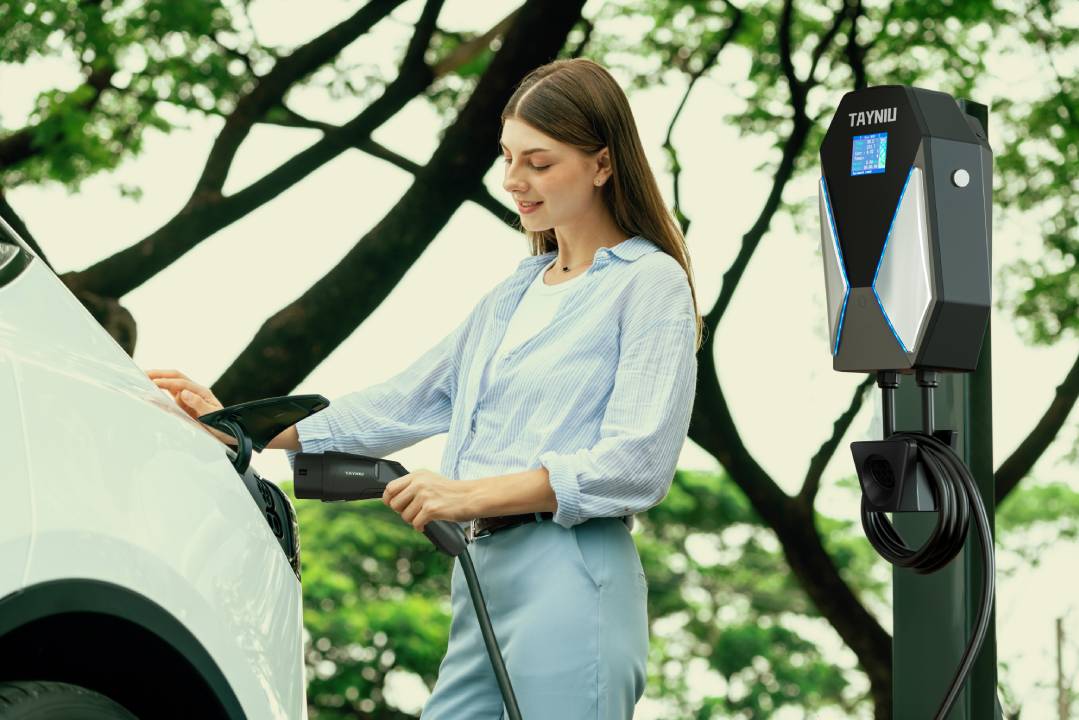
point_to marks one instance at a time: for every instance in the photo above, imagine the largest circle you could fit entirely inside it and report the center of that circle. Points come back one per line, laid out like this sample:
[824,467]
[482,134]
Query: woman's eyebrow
[526,152]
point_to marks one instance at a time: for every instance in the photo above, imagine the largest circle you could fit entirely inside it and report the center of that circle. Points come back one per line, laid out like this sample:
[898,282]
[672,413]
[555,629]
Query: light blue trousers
[569,610]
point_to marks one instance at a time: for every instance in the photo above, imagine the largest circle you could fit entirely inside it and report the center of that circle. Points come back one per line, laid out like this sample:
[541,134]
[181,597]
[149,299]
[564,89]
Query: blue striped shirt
[601,396]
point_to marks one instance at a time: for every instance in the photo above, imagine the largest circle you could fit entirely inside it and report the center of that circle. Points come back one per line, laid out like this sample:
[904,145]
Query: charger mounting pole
[934,614]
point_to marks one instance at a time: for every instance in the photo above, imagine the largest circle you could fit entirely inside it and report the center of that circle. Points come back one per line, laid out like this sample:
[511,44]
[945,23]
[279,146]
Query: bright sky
[772,351]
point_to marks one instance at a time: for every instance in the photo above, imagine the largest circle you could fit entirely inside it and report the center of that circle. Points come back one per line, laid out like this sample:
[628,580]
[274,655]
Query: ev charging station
[906,219]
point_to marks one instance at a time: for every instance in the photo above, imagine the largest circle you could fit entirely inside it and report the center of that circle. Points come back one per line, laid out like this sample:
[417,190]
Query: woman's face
[553,184]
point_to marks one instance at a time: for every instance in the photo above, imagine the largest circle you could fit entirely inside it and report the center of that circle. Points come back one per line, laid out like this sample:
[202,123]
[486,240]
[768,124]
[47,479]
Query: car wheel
[28,700]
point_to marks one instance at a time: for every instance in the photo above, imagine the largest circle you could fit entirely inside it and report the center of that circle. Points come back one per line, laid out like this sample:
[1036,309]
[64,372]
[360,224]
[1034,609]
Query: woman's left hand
[423,496]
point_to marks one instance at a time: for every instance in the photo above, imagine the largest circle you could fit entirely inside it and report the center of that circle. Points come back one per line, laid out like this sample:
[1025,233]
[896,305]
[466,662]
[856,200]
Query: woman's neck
[577,245]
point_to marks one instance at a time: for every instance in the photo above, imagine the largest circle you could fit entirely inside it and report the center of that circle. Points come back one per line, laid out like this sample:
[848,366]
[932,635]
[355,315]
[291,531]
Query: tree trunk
[714,430]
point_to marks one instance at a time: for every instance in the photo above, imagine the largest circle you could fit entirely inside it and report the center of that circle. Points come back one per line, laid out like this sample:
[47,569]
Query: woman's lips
[525,208]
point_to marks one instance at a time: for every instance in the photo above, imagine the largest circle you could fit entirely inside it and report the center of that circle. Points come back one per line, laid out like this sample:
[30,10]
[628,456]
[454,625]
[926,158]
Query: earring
[598,182]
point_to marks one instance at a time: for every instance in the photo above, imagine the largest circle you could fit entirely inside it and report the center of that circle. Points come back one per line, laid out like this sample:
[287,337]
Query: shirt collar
[628,250]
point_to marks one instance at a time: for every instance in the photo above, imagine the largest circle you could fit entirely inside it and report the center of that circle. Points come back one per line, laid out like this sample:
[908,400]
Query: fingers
[172,380]
[175,386]
[168,387]
[401,499]
[180,384]
[415,515]
[400,494]
[154,373]
[194,399]
[395,486]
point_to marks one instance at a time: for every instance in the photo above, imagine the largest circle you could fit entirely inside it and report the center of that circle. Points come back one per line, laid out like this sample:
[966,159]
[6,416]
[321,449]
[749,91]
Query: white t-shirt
[535,311]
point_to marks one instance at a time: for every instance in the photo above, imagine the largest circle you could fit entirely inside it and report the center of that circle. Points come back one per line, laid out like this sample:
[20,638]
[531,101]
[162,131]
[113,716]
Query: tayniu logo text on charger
[872,117]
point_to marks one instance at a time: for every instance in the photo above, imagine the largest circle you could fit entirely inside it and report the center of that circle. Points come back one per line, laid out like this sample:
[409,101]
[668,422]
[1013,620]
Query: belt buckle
[473,535]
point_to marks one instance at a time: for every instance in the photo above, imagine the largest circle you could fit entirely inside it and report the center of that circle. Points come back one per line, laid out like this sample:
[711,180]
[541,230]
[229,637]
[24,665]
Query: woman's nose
[512,182]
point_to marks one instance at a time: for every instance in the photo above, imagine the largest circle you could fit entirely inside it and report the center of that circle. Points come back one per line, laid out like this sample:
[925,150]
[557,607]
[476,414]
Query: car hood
[42,322]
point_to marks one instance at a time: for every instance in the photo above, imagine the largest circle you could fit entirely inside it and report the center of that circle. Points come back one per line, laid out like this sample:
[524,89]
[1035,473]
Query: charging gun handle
[336,476]
[445,535]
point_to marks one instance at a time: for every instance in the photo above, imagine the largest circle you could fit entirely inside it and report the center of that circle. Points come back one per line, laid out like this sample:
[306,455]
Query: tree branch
[709,60]
[817,464]
[826,41]
[1022,459]
[235,53]
[786,62]
[855,52]
[589,28]
[18,147]
[271,88]
[792,147]
[468,51]
[124,271]
[481,197]
[713,428]
[12,218]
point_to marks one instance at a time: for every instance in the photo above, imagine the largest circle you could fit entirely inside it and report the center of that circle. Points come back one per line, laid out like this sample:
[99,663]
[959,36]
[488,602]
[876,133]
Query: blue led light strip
[842,263]
[888,237]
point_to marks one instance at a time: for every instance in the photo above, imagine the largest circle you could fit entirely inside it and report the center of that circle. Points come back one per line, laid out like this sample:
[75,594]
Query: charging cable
[957,496]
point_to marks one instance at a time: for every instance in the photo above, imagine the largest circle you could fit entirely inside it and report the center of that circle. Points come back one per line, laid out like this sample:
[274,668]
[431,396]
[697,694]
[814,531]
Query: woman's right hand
[193,399]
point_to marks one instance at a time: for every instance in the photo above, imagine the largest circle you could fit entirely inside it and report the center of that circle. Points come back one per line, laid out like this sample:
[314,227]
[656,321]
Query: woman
[566,394]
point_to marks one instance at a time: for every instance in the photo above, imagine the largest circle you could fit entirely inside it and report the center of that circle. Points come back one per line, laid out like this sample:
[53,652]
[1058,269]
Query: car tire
[30,700]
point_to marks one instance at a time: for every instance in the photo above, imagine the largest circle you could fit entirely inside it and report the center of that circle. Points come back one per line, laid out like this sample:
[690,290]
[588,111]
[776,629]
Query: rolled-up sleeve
[631,467]
[413,405]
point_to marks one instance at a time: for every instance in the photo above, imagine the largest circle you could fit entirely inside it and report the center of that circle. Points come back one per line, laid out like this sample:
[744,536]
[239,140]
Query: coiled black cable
[956,495]
[945,471]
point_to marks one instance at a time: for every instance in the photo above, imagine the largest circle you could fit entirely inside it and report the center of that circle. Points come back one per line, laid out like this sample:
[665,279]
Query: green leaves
[1054,504]
[1037,155]
[131,56]
[376,600]
[77,134]
[1033,519]
[772,666]
[720,589]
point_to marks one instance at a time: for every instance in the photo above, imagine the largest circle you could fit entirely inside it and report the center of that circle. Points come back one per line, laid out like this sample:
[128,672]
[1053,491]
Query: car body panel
[16,517]
[127,489]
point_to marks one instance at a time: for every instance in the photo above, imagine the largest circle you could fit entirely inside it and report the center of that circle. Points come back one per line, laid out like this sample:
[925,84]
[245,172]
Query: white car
[140,574]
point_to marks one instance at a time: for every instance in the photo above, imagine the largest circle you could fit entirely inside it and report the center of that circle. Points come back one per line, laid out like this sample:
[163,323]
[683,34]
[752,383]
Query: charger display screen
[869,154]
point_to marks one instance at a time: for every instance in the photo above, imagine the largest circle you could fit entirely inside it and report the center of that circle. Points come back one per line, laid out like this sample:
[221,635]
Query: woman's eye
[537,167]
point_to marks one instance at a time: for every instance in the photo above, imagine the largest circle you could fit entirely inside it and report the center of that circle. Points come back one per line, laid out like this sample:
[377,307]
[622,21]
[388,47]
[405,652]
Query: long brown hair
[577,102]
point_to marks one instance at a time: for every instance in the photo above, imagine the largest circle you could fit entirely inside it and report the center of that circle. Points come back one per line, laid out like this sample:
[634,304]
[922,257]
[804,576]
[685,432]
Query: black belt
[482,527]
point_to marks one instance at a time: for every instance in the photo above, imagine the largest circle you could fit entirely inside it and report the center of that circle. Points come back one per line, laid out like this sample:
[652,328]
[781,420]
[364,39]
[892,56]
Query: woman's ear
[603,167]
